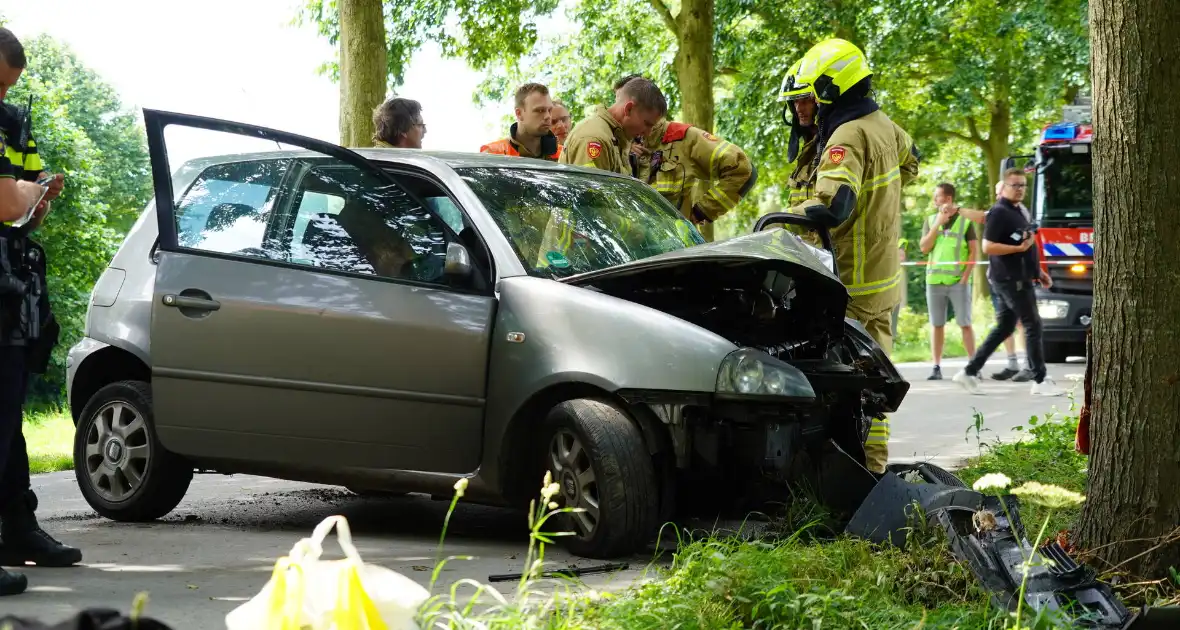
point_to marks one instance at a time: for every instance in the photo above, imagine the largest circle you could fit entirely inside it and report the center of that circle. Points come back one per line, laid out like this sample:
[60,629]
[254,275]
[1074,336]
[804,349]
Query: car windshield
[562,223]
[1068,191]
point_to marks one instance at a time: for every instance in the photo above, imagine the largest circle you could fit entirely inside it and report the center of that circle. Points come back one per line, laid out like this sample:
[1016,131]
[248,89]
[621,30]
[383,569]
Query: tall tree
[363,69]
[1135,418]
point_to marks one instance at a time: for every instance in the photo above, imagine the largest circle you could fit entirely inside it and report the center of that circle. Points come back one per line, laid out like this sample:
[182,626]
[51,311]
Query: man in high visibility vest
[949,241]
[863,159]
[530,136]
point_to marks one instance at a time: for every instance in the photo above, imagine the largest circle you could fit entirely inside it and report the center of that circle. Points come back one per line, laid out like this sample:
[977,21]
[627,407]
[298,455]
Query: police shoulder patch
[836,155]
[594,149]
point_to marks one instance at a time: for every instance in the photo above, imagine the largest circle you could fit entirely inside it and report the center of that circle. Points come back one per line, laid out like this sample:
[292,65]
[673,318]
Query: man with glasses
[1013,271]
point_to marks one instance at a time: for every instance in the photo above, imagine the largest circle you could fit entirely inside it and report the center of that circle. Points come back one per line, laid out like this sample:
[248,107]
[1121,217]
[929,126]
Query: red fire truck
[1063,211]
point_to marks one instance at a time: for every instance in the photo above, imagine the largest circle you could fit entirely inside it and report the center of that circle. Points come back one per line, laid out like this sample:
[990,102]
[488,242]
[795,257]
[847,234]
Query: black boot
[22,540]
[12,583]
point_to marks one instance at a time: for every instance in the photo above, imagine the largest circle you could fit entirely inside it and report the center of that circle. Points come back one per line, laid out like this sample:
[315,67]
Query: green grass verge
[50,439]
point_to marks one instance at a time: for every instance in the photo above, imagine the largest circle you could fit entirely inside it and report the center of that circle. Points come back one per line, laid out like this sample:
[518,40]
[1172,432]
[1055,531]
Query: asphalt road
[218,547]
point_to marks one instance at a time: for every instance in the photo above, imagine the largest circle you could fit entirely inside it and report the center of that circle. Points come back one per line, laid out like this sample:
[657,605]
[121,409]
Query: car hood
[765,290]
[779,248]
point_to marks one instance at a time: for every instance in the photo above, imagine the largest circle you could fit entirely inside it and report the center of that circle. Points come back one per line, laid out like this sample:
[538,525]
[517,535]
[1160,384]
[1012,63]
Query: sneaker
[1004,374]
[936,375]
[969,382]
[1046,388]
[1023,376]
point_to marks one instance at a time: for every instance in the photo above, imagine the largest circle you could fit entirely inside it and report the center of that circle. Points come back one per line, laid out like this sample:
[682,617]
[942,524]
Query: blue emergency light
[1063,131]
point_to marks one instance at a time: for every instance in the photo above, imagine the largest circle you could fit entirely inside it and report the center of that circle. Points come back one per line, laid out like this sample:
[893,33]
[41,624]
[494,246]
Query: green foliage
[484,33]
[82,131]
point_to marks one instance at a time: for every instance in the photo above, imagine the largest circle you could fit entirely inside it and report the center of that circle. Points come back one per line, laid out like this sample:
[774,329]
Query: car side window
[347,219]
[227,207]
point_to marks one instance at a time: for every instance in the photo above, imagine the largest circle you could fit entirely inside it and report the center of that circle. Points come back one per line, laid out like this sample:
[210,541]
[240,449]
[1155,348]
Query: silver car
[395,320]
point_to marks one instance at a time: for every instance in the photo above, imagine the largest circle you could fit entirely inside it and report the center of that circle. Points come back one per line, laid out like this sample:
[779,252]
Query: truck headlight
[1052,309]
[749,372]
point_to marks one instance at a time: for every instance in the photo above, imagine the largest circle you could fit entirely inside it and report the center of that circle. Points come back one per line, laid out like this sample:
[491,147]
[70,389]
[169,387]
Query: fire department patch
[708,136]
[594,149]
[836,155]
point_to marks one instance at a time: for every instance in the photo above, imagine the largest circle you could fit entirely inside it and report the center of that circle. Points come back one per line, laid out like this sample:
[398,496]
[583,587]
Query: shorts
[959,297]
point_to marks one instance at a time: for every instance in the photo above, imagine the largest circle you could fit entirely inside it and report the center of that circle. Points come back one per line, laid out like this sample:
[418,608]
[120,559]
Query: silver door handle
[181,301]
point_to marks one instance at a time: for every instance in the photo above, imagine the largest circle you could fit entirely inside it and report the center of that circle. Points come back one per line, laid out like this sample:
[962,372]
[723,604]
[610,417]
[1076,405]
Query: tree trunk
[694,62]
[363,69]
[1135,420]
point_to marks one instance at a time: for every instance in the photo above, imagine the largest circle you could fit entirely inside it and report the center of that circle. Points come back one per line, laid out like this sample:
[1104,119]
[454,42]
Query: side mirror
[458,261]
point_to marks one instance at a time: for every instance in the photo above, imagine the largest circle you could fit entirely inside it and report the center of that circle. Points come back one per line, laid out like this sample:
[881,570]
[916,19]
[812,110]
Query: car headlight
[749,372]
[1052,309]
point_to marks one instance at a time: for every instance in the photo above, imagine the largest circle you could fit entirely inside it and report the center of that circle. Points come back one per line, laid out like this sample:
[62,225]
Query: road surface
[218,547]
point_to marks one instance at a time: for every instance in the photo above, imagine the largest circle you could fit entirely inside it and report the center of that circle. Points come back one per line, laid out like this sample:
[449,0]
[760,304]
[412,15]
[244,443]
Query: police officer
[27,331]
[531,135]
[862,160]
[604,139]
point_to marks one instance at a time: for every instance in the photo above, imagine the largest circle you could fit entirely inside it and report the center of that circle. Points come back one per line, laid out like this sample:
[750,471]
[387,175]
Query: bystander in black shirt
[1006,224]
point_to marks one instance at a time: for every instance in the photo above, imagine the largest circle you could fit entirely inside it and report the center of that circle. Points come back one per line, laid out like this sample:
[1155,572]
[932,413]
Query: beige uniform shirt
[598,141]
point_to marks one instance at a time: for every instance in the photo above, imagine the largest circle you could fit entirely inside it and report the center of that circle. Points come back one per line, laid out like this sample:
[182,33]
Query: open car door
[304,312]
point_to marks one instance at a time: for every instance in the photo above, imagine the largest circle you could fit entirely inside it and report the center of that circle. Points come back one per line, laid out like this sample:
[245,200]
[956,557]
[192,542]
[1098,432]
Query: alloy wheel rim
[117,451]
[573,473]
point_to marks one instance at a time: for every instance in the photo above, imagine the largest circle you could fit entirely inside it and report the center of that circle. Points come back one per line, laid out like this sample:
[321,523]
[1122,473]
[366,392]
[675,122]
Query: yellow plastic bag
[307,593]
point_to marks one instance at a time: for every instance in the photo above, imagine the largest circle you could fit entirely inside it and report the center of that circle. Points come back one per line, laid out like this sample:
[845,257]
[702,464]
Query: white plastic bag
[307,593]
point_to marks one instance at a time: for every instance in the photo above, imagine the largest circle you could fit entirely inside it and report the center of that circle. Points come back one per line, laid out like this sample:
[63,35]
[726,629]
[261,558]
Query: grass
[49,435]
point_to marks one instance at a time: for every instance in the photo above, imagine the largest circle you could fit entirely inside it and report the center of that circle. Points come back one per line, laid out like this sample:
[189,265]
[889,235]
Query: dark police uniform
[27,334]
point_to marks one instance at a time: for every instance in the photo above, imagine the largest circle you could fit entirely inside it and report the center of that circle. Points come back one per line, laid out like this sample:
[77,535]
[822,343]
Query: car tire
[1056,352]
[596,437]
[123,471]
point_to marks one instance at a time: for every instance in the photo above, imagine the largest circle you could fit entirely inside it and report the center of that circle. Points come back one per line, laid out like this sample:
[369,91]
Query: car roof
[413,157]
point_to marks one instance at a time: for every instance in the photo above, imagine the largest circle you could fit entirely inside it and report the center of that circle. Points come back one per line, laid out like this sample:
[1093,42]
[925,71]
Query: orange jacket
[509,146]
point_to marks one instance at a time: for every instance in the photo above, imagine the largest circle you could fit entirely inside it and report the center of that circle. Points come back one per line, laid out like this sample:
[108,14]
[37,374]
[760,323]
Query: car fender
[550,334]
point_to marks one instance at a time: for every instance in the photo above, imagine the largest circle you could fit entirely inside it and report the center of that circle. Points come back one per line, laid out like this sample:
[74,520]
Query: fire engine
[1062,208]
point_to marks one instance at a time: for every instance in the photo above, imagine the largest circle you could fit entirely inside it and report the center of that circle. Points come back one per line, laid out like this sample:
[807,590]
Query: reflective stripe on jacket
[600,142]
[874,159]
[693,168]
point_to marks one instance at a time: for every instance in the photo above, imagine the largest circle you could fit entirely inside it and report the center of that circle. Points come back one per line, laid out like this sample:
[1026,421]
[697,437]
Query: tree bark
[363,69]
[1132,498]
[694,62]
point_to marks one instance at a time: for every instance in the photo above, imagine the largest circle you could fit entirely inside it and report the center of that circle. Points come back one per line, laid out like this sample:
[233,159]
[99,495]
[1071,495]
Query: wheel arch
[520,438]
[105,366]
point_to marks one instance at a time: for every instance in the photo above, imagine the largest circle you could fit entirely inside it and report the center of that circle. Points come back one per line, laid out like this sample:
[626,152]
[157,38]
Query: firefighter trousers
[878,323]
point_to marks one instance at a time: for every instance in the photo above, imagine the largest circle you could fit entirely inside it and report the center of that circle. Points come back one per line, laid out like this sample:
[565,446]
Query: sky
[243,60]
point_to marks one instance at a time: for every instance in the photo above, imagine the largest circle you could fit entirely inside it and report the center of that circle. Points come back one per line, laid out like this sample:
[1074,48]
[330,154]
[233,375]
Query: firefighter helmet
[825,72]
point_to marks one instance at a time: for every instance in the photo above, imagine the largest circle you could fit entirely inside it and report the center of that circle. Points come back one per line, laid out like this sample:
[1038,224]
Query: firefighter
[701,174]
[531,135]
[604,139]
[862,161]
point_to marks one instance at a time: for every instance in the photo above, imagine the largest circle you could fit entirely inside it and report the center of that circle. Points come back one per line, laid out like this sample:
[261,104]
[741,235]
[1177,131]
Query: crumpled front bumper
[994,546]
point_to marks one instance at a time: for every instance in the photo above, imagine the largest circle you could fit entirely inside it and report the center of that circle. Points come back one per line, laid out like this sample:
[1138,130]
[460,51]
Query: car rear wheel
[597,457]
[123,471]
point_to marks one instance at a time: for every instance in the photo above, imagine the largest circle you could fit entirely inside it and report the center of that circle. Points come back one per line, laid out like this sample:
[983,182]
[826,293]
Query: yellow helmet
[825,72]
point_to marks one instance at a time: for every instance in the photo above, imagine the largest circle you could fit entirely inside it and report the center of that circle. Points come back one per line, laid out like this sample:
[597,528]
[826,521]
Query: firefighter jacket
[864,166]
[598,141]
[550,149]
[701,174]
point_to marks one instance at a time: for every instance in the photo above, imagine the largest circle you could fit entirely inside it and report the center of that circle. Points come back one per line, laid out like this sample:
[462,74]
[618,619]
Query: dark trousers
[14,457]
[1016,300]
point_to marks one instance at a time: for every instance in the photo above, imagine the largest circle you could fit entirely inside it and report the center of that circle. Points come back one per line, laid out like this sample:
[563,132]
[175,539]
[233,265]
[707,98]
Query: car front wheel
[123,471]
[597,456]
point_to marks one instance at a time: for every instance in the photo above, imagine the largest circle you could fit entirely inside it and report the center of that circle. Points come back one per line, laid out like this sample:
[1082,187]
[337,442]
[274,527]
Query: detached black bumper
[1066,317]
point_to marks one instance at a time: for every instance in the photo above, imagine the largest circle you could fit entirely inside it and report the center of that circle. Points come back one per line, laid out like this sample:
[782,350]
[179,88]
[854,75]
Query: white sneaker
[969,383]
[1046,388]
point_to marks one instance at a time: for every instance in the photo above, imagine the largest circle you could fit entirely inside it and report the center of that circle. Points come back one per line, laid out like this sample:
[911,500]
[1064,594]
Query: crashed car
[395,320]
